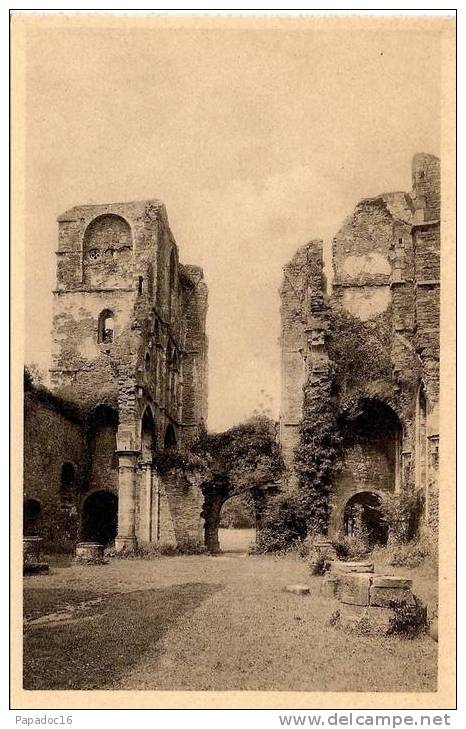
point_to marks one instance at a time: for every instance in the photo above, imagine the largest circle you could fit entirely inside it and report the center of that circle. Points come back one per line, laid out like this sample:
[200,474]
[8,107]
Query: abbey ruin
[129,370]
[129,379]
[371,343]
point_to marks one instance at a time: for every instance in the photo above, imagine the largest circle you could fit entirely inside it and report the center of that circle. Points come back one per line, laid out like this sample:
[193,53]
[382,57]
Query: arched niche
[373,436]
[107,252]
[169,440]
[148,436]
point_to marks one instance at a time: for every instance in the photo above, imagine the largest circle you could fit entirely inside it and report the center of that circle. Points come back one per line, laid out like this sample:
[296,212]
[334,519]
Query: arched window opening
[170,438]
[147,362]
[31,516]
[107,243]
[106,328]
[148,436]
[67,484]
[140,285]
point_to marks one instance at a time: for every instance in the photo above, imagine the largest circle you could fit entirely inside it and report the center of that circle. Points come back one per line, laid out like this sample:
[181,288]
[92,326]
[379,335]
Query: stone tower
[129,346]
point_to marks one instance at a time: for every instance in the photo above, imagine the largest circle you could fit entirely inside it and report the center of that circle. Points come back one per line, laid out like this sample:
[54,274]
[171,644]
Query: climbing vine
[359,354]
[359,350]
[316,456]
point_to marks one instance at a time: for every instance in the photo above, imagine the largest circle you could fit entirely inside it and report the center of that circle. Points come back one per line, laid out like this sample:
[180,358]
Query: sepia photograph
[234,257]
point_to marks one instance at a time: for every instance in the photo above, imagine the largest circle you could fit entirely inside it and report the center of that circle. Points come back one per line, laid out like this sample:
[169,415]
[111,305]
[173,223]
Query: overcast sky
[257,141]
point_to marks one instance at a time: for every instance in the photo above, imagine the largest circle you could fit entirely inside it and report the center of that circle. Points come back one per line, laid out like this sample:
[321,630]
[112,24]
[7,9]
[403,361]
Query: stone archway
[169,441]
[237,524]
[371,458]
[362,516]
[214,500]
[99,520]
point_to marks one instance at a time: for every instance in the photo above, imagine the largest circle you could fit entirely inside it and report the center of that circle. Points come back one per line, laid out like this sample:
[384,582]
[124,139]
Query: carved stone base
[125,544]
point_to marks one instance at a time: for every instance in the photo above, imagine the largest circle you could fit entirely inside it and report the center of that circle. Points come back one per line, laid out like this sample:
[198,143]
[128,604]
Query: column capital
[130,453]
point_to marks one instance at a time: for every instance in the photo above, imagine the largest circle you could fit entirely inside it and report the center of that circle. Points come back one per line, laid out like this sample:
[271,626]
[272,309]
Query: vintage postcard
[233,393]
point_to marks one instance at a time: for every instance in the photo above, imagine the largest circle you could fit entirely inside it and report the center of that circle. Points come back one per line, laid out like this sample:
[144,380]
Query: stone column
[127,466]
[156,514]
[145,505]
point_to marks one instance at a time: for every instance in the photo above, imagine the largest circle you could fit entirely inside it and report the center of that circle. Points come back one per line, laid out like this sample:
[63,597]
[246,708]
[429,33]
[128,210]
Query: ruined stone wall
[54,434]
[301,298]
[386,262]
[184,504]
[361,253]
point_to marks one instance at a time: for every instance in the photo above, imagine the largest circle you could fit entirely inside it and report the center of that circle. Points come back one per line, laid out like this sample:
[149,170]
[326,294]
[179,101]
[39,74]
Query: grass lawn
[205,623]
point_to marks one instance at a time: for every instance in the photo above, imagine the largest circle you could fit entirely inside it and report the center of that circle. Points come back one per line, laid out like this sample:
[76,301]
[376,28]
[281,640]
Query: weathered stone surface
[392,581]
[363,620]
[129,372]
[337,566]
[89,553]
[385,596]
[330,585]
[354,588]
[298,589]
[386,275]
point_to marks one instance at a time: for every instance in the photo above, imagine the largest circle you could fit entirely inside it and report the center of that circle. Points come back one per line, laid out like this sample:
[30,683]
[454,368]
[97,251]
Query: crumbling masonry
[385,301]
[129,381]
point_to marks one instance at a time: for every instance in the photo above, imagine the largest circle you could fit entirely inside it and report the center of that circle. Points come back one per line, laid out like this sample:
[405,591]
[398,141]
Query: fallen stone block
[386,589]
[362,620]
[392,581]
[298,589]
[365,567]
[89,553]
[330,585]
[354,588]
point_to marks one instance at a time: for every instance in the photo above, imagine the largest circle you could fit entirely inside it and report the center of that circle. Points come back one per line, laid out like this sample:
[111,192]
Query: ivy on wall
[359,350]
[359,354]
[317,453]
